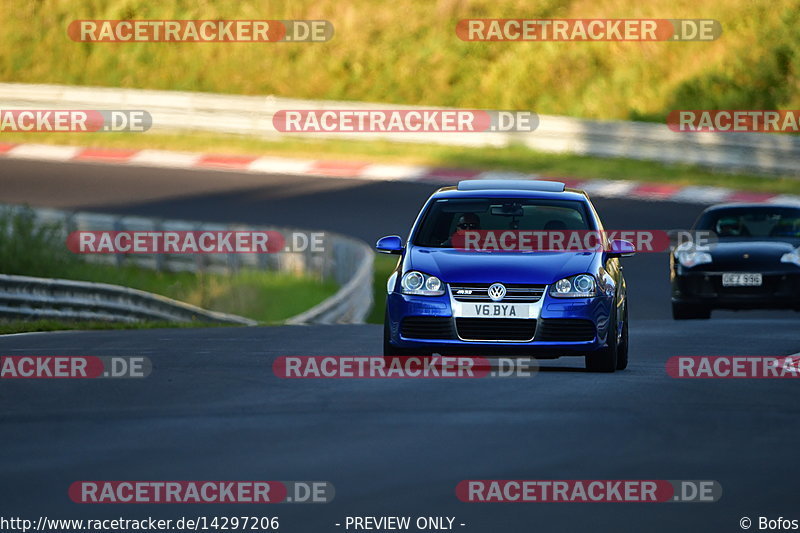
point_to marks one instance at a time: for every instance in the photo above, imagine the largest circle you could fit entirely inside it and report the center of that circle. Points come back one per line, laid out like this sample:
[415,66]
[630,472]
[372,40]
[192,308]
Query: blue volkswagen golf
[445,298]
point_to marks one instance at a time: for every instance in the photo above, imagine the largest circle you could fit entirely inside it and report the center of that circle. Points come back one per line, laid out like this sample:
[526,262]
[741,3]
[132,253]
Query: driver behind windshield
[730,227]
[466,222]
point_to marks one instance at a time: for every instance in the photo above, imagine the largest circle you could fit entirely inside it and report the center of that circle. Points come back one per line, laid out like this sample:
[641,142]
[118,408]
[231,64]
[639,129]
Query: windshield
[753,222]
[447,216]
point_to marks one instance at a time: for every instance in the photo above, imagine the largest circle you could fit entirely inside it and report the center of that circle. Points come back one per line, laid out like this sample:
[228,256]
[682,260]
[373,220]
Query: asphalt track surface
[212,409]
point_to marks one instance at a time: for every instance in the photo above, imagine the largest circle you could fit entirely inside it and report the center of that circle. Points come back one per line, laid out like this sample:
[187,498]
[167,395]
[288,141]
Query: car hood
[461,266]
[748,255]
[728,249]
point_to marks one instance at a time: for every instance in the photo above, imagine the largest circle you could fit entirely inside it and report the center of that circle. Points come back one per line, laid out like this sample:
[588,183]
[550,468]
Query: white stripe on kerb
[702,195]
[392,172]
[164,158]
[44,151]
[618,188]
[280,165]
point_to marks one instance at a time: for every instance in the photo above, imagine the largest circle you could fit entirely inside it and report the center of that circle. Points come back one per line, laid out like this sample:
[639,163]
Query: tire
[682,311]
[622,349]
[605,359]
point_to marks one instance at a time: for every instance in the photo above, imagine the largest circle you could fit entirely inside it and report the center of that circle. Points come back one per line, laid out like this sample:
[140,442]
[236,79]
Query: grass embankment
[384,265]
[267,297]
[407,52]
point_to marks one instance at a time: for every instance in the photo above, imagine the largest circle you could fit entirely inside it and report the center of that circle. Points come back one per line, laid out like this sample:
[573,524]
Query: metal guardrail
[309,262]
[344,260]
[761,153]
[26,297]
[352,302]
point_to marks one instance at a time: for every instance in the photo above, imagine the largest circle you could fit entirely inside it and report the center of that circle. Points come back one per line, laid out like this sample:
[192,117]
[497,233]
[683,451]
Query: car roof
[751,205]
[551,190]
[526,185]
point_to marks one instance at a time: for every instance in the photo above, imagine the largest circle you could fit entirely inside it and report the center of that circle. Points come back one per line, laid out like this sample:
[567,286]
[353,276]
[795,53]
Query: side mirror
[620,248]
[392,244]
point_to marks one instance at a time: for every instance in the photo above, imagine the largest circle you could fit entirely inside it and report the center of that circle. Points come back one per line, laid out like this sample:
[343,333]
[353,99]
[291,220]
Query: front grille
[427,327]
[565,330]
[496,329]
[710,286]
[478,292]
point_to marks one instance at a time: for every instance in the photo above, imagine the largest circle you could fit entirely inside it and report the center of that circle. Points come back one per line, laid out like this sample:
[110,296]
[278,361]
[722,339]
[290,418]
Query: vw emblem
[497,292]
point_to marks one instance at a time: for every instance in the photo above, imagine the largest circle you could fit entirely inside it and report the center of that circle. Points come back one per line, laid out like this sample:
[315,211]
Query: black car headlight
[420,284]
[579,286]
[792,257]
[692,258]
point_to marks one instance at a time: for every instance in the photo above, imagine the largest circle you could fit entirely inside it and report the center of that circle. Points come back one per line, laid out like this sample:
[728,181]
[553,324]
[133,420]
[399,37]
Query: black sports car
[754,264]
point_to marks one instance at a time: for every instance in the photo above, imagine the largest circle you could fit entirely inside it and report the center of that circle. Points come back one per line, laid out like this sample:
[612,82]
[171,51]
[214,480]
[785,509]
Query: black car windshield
[753,222]
[446,216]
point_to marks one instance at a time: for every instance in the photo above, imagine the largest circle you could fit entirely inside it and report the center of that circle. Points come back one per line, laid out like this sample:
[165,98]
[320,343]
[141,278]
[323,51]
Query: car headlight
[580,286]
[414,282]
[690,258]
[792,257]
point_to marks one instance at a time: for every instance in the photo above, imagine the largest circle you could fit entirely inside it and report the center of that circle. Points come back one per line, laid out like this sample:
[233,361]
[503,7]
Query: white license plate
[741,280]
[492,310]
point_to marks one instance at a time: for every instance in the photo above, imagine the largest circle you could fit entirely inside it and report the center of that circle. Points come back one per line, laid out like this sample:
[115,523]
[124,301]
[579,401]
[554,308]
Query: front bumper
[779,290]
[564,327]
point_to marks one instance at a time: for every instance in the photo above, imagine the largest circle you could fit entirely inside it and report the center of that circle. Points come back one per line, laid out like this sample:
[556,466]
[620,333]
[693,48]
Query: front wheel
[622,349]
[605,359]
